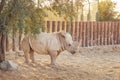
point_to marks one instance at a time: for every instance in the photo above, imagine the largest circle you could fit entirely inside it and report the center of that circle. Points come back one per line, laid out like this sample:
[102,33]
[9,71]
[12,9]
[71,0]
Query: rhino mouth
[71,49]
[73,52]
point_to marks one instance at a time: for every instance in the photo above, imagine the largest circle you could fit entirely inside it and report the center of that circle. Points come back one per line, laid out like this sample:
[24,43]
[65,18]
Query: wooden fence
[89,33]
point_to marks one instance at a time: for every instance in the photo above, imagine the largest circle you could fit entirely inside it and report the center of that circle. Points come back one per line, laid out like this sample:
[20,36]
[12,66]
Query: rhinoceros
[51,44]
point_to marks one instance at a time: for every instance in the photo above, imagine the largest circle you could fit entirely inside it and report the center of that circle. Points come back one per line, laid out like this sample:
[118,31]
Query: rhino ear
[62,33]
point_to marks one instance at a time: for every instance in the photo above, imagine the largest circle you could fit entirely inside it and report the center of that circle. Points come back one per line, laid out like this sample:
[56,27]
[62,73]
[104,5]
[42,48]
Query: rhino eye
[69,44]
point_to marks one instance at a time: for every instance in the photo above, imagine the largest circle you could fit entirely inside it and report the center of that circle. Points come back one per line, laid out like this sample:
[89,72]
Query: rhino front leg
[53,56]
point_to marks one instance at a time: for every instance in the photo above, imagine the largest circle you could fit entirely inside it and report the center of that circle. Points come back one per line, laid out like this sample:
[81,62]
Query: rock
[8,65]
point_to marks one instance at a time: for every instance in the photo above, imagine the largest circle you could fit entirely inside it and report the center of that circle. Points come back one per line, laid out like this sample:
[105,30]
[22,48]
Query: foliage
[117,18]
[67,8]
[106,10]
[29,16]
[23,14]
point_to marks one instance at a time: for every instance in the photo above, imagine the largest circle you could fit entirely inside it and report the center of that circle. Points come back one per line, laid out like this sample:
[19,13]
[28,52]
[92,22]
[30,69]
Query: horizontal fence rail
[88,33]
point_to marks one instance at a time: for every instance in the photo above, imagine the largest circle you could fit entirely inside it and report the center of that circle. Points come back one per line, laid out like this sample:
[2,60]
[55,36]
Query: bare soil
[92,63]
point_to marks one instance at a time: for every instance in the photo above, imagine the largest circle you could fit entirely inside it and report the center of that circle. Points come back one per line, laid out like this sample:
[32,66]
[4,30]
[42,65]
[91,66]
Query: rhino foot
[53,63]
[33,61]
[28,62]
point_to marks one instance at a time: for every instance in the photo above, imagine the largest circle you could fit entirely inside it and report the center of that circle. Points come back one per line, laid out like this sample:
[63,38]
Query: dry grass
[94,63]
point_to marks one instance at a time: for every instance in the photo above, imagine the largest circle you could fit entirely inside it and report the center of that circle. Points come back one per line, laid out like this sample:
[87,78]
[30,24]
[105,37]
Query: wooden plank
[117,26]
[67,26]
[112,33]
[53,26]
[79,37]
[102,33]
[80,33]
[58,25]
[104,38]
[108,32]
[63,26]
[85,34]
[95,28]
[72,29]
[48,26]
[90,33]
[99,33]
[119,32]
[94,34]
[115,32]
[76,31]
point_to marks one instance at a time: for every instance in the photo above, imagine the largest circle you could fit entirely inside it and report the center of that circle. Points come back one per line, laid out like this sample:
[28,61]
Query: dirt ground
[92,63]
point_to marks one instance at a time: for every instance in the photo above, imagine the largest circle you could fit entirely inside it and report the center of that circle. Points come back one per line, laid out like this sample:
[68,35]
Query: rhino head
[68,43]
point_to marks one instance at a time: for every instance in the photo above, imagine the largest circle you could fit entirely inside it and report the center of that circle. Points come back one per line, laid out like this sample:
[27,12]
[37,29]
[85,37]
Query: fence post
[53,26]
[63,26]
[80,33]
[48,26]
[58,26]
[76,34]
[67,26]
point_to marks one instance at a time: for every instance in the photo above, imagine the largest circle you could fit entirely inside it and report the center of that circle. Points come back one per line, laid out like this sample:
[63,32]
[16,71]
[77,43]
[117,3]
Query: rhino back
[50,41]
[44,42]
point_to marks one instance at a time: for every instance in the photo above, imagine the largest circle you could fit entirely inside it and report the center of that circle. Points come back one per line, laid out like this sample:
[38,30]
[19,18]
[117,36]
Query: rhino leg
[26,57]
[53,56]
[32,55]
[26,49]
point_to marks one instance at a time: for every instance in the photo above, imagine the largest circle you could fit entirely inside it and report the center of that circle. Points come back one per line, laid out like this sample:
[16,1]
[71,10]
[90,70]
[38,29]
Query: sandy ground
[93,63]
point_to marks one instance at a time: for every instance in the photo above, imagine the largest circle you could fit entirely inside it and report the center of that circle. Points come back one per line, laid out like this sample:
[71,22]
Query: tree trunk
[2,36]
[20,37]
[0,49]
[14,39]
[0,41]
[2,3]
[7,42]
[3,47]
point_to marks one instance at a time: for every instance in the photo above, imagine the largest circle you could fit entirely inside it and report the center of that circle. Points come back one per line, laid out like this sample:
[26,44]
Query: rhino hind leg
[26,49]
[32,55]
[26,54]
[26,57]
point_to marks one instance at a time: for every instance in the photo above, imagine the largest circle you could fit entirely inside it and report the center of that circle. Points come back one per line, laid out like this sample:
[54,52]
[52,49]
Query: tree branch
[2,3]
